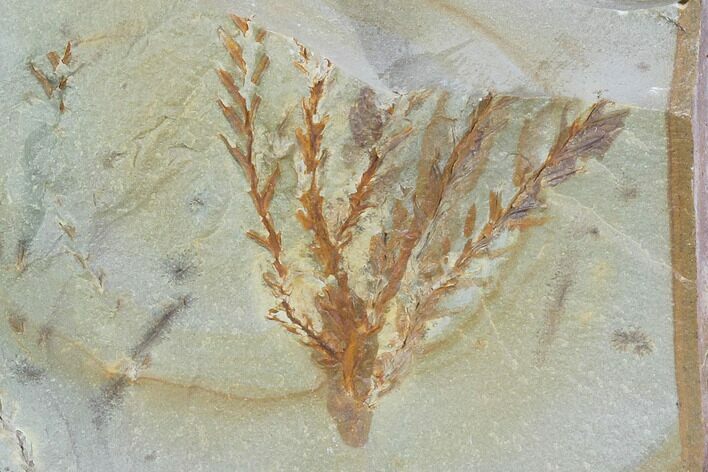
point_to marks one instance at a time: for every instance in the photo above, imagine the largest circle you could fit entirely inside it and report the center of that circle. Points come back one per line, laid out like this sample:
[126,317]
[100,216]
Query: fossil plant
[416,261]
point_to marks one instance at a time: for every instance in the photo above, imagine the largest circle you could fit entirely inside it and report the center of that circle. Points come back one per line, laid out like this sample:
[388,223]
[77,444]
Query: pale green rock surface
[528,379]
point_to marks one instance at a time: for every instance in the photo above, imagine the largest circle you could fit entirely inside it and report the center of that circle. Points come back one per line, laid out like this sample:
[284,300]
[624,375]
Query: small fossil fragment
[57,80]
[21,255]
[181,267]
[632,340]
[17,322]
[24,448]
[365,119]
[26,371]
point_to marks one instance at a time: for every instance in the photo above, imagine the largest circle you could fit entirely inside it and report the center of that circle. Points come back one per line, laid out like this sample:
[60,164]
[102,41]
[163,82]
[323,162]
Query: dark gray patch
[110,159]
[109,399]
[160,326]
[21,255]
[182,267]
[45,332]
[632,340]
[627,188]
[559,287]
[629,192]
[25,372]
[196,203]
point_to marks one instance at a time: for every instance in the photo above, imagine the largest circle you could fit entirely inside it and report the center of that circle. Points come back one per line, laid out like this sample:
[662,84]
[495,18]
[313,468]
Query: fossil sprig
[590,134]
[57,80]
[421,255]
[241,115]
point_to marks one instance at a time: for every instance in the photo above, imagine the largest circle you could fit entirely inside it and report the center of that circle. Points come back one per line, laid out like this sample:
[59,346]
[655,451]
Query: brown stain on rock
[59,347]
[683,237]
[17,322]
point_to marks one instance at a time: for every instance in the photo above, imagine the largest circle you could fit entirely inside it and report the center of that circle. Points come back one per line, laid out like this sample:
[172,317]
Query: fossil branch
[415,262]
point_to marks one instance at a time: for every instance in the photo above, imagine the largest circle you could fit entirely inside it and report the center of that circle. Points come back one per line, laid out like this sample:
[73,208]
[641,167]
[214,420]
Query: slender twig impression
[22,444]
[416,262]
[241,115]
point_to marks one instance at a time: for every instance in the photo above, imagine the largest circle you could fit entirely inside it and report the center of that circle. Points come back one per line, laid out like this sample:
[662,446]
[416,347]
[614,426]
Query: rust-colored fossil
[55,82]
[416,262]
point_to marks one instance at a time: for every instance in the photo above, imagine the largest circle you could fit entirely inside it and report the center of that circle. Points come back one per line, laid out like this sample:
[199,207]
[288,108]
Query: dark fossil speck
[26,372]
[632,340]
[182,267]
